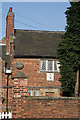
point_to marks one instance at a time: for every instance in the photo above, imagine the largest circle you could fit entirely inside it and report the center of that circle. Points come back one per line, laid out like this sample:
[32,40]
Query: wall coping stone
[44,87]
[49,98]
[46,119]
[6,86]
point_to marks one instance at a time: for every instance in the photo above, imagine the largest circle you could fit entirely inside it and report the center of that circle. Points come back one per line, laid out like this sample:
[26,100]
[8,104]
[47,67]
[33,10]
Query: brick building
[29,62]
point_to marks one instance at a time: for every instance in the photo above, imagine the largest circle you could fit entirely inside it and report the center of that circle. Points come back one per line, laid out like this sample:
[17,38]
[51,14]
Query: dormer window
[49,65]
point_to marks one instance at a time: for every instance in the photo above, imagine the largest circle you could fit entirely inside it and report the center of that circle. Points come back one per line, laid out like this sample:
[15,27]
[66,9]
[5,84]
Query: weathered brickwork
[46,107]
[9,28]
[35,78]
[19,87]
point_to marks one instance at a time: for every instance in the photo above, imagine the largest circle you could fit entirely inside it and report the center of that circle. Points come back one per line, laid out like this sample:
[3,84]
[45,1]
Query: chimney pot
[10,9]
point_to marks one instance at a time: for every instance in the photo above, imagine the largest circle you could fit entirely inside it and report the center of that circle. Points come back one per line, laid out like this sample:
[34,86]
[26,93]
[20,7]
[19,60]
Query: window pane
[55,65]
[49,65]
[43,65]
[35,93]
[30,92]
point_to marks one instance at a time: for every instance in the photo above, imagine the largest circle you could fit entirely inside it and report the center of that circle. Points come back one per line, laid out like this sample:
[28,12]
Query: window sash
[49,65]
[35,93]
[43,65]
[55,65]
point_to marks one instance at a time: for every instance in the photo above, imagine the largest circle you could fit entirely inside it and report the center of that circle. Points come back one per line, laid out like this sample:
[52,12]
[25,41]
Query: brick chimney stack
[9,28]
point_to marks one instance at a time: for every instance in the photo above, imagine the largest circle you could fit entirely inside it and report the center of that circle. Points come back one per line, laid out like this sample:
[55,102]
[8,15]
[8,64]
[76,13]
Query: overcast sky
[49,16]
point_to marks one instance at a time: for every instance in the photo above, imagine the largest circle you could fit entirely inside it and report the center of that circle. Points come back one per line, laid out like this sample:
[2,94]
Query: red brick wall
[36,78]
[46,107]
[19,87]
[9,27]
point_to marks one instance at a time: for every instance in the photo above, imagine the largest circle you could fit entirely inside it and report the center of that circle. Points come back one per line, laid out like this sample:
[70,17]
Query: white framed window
[35,93]
[43,65]
[50,76]
[50,65]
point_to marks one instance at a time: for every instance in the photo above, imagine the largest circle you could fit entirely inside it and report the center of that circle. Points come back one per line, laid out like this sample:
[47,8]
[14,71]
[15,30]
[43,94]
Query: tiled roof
[31,43]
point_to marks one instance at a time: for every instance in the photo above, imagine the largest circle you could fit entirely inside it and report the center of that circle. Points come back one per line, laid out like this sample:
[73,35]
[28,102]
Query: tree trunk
[77,84]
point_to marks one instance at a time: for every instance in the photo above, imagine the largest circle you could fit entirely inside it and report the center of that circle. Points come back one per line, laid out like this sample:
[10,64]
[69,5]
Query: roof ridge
[39,31]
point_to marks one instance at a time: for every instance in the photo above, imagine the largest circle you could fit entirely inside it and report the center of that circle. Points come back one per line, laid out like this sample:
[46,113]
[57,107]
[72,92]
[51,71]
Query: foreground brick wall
[46,107]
